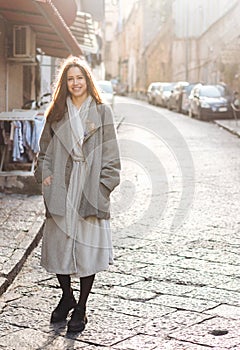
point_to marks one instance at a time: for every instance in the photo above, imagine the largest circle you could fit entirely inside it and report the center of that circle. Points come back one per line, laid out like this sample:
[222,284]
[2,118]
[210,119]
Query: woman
[79,167]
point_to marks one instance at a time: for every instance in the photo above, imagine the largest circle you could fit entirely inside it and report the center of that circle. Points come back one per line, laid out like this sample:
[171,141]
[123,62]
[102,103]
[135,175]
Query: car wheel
[199,115]
[178,108]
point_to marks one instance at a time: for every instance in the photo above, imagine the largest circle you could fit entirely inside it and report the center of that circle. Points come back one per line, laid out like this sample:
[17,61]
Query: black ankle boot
[60,313]
[78,320]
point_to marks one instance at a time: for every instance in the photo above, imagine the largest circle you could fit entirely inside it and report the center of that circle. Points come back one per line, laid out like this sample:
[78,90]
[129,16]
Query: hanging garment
[18,148]
[27,133]
[36,133]
[2,133]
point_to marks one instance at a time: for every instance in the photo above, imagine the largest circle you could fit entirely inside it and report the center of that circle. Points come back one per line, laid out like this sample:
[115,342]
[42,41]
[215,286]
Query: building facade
[178,40]
[204,32]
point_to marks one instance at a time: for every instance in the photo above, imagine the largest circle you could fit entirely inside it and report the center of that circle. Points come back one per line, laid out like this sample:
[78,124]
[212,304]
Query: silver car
[107,92]
[163,94]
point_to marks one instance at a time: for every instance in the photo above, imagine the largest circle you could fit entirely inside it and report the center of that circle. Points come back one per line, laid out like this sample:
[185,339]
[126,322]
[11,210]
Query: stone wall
[15,87]
[159,56]
[219,49]
[19,184]
[212,57]
[2,67]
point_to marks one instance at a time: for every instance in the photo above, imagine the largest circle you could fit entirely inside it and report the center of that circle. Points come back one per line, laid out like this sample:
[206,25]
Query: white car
[151,92]
[107,91]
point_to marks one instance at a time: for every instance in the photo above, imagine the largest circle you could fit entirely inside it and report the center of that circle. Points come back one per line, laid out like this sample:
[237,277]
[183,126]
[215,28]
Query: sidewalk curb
[36,232]
[228,128]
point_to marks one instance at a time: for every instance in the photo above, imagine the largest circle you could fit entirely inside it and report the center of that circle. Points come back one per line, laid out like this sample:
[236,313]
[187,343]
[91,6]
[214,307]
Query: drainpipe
[7,87]
[187,43]
[6,70]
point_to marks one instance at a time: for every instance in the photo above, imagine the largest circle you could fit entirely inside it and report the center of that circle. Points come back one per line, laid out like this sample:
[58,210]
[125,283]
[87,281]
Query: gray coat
[100,151]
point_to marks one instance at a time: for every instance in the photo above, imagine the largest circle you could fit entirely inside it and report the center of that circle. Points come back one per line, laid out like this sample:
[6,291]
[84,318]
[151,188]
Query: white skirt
[75,246]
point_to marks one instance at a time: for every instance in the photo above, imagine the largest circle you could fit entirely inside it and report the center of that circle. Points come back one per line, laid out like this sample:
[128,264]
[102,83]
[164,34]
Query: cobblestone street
[175,283]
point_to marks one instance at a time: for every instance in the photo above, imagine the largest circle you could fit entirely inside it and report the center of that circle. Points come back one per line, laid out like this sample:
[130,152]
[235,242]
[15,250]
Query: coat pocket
[55,198]
[46,192]
[103,198]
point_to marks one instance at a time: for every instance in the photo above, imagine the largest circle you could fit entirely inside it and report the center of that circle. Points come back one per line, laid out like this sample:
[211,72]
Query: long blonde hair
[56,109]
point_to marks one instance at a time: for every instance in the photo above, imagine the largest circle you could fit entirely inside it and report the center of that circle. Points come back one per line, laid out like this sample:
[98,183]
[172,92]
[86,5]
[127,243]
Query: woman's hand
[47,181]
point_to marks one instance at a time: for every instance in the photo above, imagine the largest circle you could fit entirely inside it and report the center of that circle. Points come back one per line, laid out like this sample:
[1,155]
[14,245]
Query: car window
[224,90]
[209,91]
[167,87]
[106,87]
[188,88]
[156,86]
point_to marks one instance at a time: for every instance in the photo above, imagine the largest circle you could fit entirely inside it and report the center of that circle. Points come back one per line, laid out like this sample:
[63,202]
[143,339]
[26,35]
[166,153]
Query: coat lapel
[62,129]
[90,128]
[92,123]
[63,132]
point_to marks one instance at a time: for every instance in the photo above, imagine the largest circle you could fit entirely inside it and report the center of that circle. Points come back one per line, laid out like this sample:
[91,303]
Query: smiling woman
[77,85]
[78,166]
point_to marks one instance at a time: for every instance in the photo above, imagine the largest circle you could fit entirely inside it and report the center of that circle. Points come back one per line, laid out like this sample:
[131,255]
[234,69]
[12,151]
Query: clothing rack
[19,115]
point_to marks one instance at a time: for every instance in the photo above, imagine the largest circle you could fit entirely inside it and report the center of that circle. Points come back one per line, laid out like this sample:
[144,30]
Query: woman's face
[76,83]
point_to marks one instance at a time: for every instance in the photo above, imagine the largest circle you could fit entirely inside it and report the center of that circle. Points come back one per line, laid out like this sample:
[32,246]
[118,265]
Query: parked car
[186,97]
[226,92]
[107,91]
[162,94]
[151,92]
[207,103]
[175,98]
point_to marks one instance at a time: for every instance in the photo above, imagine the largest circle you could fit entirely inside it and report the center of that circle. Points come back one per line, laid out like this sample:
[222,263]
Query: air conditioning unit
[24,43]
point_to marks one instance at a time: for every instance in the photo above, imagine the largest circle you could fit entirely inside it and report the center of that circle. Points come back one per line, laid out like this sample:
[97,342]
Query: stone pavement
[194,307]
[21,220]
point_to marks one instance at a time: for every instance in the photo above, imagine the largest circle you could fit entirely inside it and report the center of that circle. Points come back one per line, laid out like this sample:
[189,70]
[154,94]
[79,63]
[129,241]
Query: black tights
[85,287]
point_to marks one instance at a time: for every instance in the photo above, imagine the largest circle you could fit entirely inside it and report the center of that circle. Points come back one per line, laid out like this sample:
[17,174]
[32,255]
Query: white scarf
[77,118]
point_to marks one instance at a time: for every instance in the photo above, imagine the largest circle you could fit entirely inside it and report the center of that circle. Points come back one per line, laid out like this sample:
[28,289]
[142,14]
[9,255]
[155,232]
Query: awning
[84,32]
[53,36]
